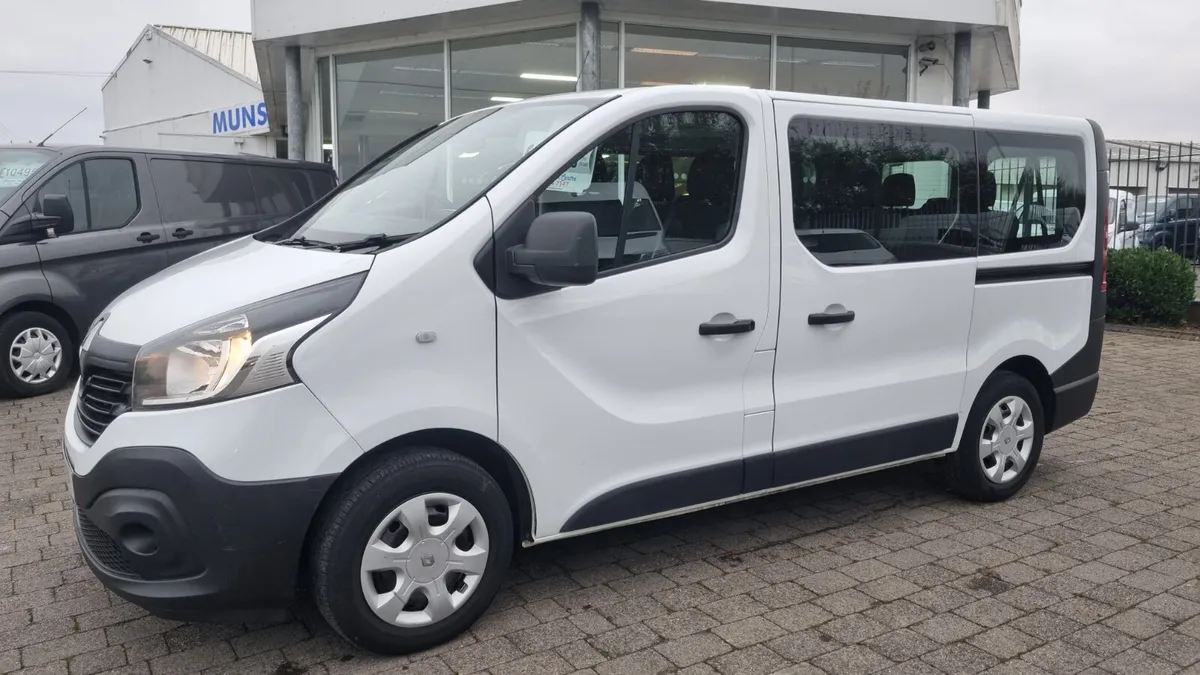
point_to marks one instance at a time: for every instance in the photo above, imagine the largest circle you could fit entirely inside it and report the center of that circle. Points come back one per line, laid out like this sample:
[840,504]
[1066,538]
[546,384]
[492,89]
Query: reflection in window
[1035,191]
[842,69]
[509,68]
[384,97]
[610,55]
[326,111]
[865,193]
[655,56]
[683,192]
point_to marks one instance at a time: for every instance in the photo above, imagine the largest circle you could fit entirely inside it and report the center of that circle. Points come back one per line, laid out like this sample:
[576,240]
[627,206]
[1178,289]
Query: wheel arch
[1032,369]
[485,452]
[49,309]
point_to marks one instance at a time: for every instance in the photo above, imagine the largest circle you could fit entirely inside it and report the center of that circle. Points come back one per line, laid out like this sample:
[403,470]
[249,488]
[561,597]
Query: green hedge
[1149,286]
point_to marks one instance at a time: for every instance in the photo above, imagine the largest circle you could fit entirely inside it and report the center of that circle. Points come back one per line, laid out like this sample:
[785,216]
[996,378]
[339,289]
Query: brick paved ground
[1092,569]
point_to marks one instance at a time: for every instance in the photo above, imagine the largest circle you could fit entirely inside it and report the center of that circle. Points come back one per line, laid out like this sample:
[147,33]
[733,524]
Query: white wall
[172,96]
[192,133]
[282,18]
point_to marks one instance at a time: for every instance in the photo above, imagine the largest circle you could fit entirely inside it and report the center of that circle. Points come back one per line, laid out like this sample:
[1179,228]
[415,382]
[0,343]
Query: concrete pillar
[295,108]
[589,47]
[962,69]
[985,99]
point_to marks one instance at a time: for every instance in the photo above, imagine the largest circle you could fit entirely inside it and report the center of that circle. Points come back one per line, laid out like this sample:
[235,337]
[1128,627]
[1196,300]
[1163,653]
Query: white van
[1122,227]
[571,313]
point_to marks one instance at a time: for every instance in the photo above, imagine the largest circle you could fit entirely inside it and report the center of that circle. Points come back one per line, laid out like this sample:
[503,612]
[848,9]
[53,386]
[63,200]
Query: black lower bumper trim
[1074,401]
[162,531]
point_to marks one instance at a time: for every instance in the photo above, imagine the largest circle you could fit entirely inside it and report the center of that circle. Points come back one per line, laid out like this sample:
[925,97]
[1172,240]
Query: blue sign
[242,118]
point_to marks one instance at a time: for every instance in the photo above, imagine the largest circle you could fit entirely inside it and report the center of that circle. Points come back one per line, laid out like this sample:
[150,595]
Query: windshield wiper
[373,241]
[307,243]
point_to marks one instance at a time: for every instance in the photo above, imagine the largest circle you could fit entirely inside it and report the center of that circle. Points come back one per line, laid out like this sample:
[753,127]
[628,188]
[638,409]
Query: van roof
[157,152]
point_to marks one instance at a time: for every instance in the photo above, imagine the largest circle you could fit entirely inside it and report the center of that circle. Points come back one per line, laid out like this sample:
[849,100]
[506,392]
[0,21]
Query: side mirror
[56,214]
[560,249]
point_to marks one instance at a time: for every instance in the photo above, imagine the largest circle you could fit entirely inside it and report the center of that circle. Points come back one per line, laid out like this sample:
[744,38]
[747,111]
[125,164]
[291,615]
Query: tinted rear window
[203,190]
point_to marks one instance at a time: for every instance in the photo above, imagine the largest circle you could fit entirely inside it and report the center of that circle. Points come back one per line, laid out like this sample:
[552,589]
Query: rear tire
[1001,442]
[39,355]
[411,551]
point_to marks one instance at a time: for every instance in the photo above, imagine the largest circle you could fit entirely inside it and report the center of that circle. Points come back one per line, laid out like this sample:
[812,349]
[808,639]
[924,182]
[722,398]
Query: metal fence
[1154,198]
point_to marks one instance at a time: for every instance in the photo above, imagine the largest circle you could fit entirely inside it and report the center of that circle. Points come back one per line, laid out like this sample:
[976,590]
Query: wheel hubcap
[35,356]
[1007,440]
[424,560]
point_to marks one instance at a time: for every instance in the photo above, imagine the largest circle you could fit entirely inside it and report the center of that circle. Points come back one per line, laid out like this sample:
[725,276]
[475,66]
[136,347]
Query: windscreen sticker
[15,173]
[577,178]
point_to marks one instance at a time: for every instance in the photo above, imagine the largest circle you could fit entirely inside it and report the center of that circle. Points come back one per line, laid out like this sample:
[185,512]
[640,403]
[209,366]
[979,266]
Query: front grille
[104,395]
[103,549]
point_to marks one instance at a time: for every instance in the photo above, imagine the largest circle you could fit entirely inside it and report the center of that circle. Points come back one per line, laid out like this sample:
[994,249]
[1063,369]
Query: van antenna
[60,128]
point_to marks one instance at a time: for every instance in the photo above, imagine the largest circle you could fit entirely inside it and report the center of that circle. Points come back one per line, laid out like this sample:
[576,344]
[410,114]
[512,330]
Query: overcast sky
[1133,66]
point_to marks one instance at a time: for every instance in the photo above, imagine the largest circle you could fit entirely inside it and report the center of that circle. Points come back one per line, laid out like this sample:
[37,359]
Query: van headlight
[236,354]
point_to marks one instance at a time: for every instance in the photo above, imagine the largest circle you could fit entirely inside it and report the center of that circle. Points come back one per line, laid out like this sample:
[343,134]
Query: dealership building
[344,81]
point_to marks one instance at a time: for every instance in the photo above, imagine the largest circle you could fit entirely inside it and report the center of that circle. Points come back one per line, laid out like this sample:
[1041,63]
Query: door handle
[739,326]
[147,237]
[181,233]
[828,318]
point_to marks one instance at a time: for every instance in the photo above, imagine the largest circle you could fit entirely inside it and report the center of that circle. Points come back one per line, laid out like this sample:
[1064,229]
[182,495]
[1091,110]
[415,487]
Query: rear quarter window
[203,190]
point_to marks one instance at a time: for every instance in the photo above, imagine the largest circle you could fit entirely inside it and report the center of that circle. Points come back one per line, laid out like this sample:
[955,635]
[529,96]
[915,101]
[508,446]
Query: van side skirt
[787,468]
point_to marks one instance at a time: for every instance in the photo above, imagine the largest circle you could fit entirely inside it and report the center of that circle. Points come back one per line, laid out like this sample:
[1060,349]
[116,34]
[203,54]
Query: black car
[1169,221]
[79,225]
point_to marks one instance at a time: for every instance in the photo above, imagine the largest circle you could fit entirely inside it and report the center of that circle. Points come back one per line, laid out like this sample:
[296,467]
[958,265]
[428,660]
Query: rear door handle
[147,237]
[739,326]
[181,232]
[827,318]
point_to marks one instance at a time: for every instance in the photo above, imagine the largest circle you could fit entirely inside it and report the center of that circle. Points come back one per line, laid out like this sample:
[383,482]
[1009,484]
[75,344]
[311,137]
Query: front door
[878,277]
[114,244]
[627,397]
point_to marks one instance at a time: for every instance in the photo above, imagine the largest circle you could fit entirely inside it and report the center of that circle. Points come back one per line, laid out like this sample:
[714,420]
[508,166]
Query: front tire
[39,355]
[1001,442]
[411,551]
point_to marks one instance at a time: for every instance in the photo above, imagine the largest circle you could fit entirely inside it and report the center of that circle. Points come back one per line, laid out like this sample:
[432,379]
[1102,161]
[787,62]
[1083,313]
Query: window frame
[137,194]
[964,156]
[743,149]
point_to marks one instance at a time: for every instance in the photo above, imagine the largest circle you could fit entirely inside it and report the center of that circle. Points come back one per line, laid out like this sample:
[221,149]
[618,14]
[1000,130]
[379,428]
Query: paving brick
[852,660]
[193,660]
[693,649]
[1139,624]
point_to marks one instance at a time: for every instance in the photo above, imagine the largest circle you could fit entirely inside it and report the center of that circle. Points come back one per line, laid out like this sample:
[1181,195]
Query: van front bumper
[165,533]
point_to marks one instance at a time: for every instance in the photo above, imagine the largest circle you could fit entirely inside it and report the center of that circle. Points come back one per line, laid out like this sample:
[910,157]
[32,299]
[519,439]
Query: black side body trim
[217,549]
[730,479]
[864,450]
[1074,401]
[1000,275]
[659,494]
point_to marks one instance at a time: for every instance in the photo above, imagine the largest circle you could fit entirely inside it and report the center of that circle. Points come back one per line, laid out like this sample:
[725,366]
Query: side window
[1040,191]
[112,193]
[867,193]
[67,182]
[322,182]
[278,191]
[662,186]
[203,190]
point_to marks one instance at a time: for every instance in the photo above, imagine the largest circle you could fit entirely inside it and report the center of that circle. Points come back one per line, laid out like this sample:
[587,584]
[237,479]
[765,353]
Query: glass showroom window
[842,69]
[610,55]
[513,67]
[655,56]
[383,98]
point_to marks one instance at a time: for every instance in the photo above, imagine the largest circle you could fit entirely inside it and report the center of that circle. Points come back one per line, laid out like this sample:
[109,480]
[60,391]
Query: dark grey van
[80,225]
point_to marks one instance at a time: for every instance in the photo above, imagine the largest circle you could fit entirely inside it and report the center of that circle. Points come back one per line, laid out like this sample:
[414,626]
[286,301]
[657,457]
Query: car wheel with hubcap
[39,355]
[411,550]
[1002,440]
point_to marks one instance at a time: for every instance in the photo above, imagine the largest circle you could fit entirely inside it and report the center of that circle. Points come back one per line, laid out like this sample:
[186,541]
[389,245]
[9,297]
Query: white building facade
[190,89]
[358,76]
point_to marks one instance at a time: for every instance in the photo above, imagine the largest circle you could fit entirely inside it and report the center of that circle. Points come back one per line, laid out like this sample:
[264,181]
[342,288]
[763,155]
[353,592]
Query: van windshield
[427,181]
[17,165]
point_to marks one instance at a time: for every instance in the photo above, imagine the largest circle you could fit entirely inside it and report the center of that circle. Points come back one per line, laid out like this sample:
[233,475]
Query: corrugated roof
[232,49]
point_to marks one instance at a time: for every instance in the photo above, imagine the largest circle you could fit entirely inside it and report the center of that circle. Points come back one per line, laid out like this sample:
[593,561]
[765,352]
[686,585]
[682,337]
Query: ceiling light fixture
[392,112]
[506,99]
[663,52]
[547,76]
